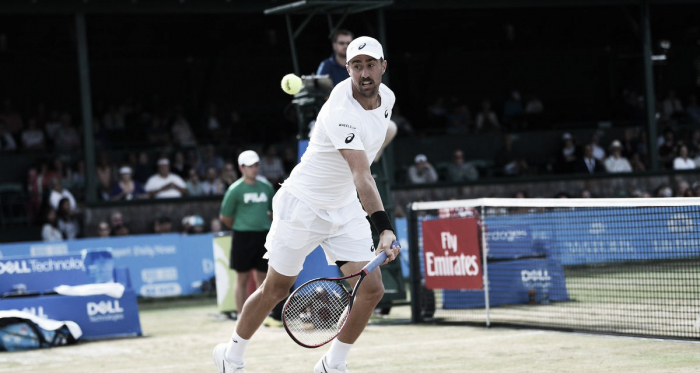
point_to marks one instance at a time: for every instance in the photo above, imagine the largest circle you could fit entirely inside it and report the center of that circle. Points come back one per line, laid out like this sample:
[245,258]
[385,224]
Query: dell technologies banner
[159,265]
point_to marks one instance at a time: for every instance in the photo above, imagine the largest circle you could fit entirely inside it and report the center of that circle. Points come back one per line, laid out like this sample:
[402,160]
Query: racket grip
[376,262]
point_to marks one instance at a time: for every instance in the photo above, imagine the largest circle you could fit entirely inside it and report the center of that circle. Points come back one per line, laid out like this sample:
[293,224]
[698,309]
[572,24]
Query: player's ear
[383,67]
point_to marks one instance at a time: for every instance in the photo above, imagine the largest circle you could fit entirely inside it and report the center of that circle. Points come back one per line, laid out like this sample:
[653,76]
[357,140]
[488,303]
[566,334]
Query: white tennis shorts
[297,229]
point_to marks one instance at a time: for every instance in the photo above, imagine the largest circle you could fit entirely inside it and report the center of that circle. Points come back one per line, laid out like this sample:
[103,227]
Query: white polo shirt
[323,179]
[156,182]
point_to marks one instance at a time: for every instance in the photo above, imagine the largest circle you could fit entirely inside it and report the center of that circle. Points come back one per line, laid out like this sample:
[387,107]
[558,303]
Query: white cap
[163,161]
[248,158]
[421,158]
[615,144]
[364,45]
[566,136]
[125,170]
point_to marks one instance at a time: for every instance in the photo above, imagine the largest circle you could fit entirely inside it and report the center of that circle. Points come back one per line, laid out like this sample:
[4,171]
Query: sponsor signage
[99,316]
[451,255]
[159,265]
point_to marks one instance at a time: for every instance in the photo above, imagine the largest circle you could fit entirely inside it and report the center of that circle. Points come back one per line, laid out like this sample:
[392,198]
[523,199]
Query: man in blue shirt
[334,66]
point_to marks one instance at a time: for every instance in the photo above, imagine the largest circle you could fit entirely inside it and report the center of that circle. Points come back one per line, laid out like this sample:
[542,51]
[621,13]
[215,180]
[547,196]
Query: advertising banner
[160,265]
[522,281]
[99,316]
[451,254]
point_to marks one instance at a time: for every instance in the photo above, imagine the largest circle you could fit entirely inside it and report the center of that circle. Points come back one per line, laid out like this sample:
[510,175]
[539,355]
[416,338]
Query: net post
[485,253]
[414,263]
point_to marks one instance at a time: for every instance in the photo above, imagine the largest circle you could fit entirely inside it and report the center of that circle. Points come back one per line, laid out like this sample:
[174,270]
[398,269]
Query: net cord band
[558,202]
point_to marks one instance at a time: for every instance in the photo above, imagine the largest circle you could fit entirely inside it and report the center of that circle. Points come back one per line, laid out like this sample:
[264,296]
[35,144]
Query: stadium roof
[242,6]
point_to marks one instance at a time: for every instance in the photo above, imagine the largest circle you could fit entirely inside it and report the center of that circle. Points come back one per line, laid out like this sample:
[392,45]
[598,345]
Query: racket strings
[316,312]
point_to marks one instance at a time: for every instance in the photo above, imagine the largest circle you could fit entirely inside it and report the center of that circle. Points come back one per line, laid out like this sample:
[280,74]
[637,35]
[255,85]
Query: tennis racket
[317,311]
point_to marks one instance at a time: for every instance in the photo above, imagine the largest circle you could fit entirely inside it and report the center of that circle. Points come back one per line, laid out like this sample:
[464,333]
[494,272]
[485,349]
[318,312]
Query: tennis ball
[291,84]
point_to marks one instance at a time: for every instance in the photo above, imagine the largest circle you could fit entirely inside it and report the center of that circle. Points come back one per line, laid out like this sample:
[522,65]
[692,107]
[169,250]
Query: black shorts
[247,250]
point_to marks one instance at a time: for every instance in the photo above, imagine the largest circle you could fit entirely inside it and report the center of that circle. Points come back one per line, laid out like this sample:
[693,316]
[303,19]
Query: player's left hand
[388,244]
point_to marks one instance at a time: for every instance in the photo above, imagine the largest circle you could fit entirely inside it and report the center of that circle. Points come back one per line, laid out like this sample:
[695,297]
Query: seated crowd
[177,159]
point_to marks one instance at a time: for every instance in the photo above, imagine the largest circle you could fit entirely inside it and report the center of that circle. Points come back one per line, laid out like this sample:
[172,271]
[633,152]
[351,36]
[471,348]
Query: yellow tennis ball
[291,84]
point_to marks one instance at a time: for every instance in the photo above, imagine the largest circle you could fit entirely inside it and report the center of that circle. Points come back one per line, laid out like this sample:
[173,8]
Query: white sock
[236,348]
[338,353]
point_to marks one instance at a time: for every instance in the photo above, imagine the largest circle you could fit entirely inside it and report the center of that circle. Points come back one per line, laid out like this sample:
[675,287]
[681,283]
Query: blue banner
[99,316]
[607,235]
[159,265]
[514,282]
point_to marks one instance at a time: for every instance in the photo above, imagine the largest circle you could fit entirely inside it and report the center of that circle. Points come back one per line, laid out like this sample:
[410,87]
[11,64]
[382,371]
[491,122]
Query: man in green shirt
[246,209]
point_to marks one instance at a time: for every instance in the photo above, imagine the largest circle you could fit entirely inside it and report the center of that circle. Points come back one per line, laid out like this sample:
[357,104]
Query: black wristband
[381,221]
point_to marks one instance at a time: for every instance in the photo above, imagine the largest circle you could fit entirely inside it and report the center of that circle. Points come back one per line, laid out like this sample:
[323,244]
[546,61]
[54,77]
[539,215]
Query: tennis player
[318,204]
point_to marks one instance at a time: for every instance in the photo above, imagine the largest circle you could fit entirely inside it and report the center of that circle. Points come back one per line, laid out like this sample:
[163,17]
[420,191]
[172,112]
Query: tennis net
[619,266]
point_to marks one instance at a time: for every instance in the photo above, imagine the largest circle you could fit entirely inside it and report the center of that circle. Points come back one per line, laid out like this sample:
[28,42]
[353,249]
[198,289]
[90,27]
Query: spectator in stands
[459,119]
[143,168]
[103,229]
[585,193]
[121,230]
[50,231]
[692,111]
[157,133]
[513,111]
[694,144]
[115,219]
[215,225]
[33,136]
[616,163]
[165,184]
[403,125]
[637,164]
[334,66]
[179,167]
[182,131]
[486,119]
[683,189]
[663,191]
[215,127]
[671,106]
[212,185]
[52,126]
[100,134]
[422,172]
[228,174]
[506,159]
[437,114]
[195,225]
[67,138]
[271,167]
[683,161]
[67,221]
[127,188]
[629,143]
[568,155]
[7,141]
[534,106]
[12,119]
[598,151]
[58,193]
[588,164]
[668,150]
[162,224]
[460,171]
[104,176]
[194,186]
[210,160]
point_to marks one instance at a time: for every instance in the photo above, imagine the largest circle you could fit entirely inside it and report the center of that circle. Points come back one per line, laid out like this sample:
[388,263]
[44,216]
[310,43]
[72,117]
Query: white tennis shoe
[223,365]
[323,367]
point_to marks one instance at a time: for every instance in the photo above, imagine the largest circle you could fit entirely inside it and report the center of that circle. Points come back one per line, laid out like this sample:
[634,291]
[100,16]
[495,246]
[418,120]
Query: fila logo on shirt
[254,197]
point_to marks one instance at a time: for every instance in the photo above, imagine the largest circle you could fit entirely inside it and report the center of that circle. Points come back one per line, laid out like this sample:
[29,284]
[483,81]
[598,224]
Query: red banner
[451,254]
